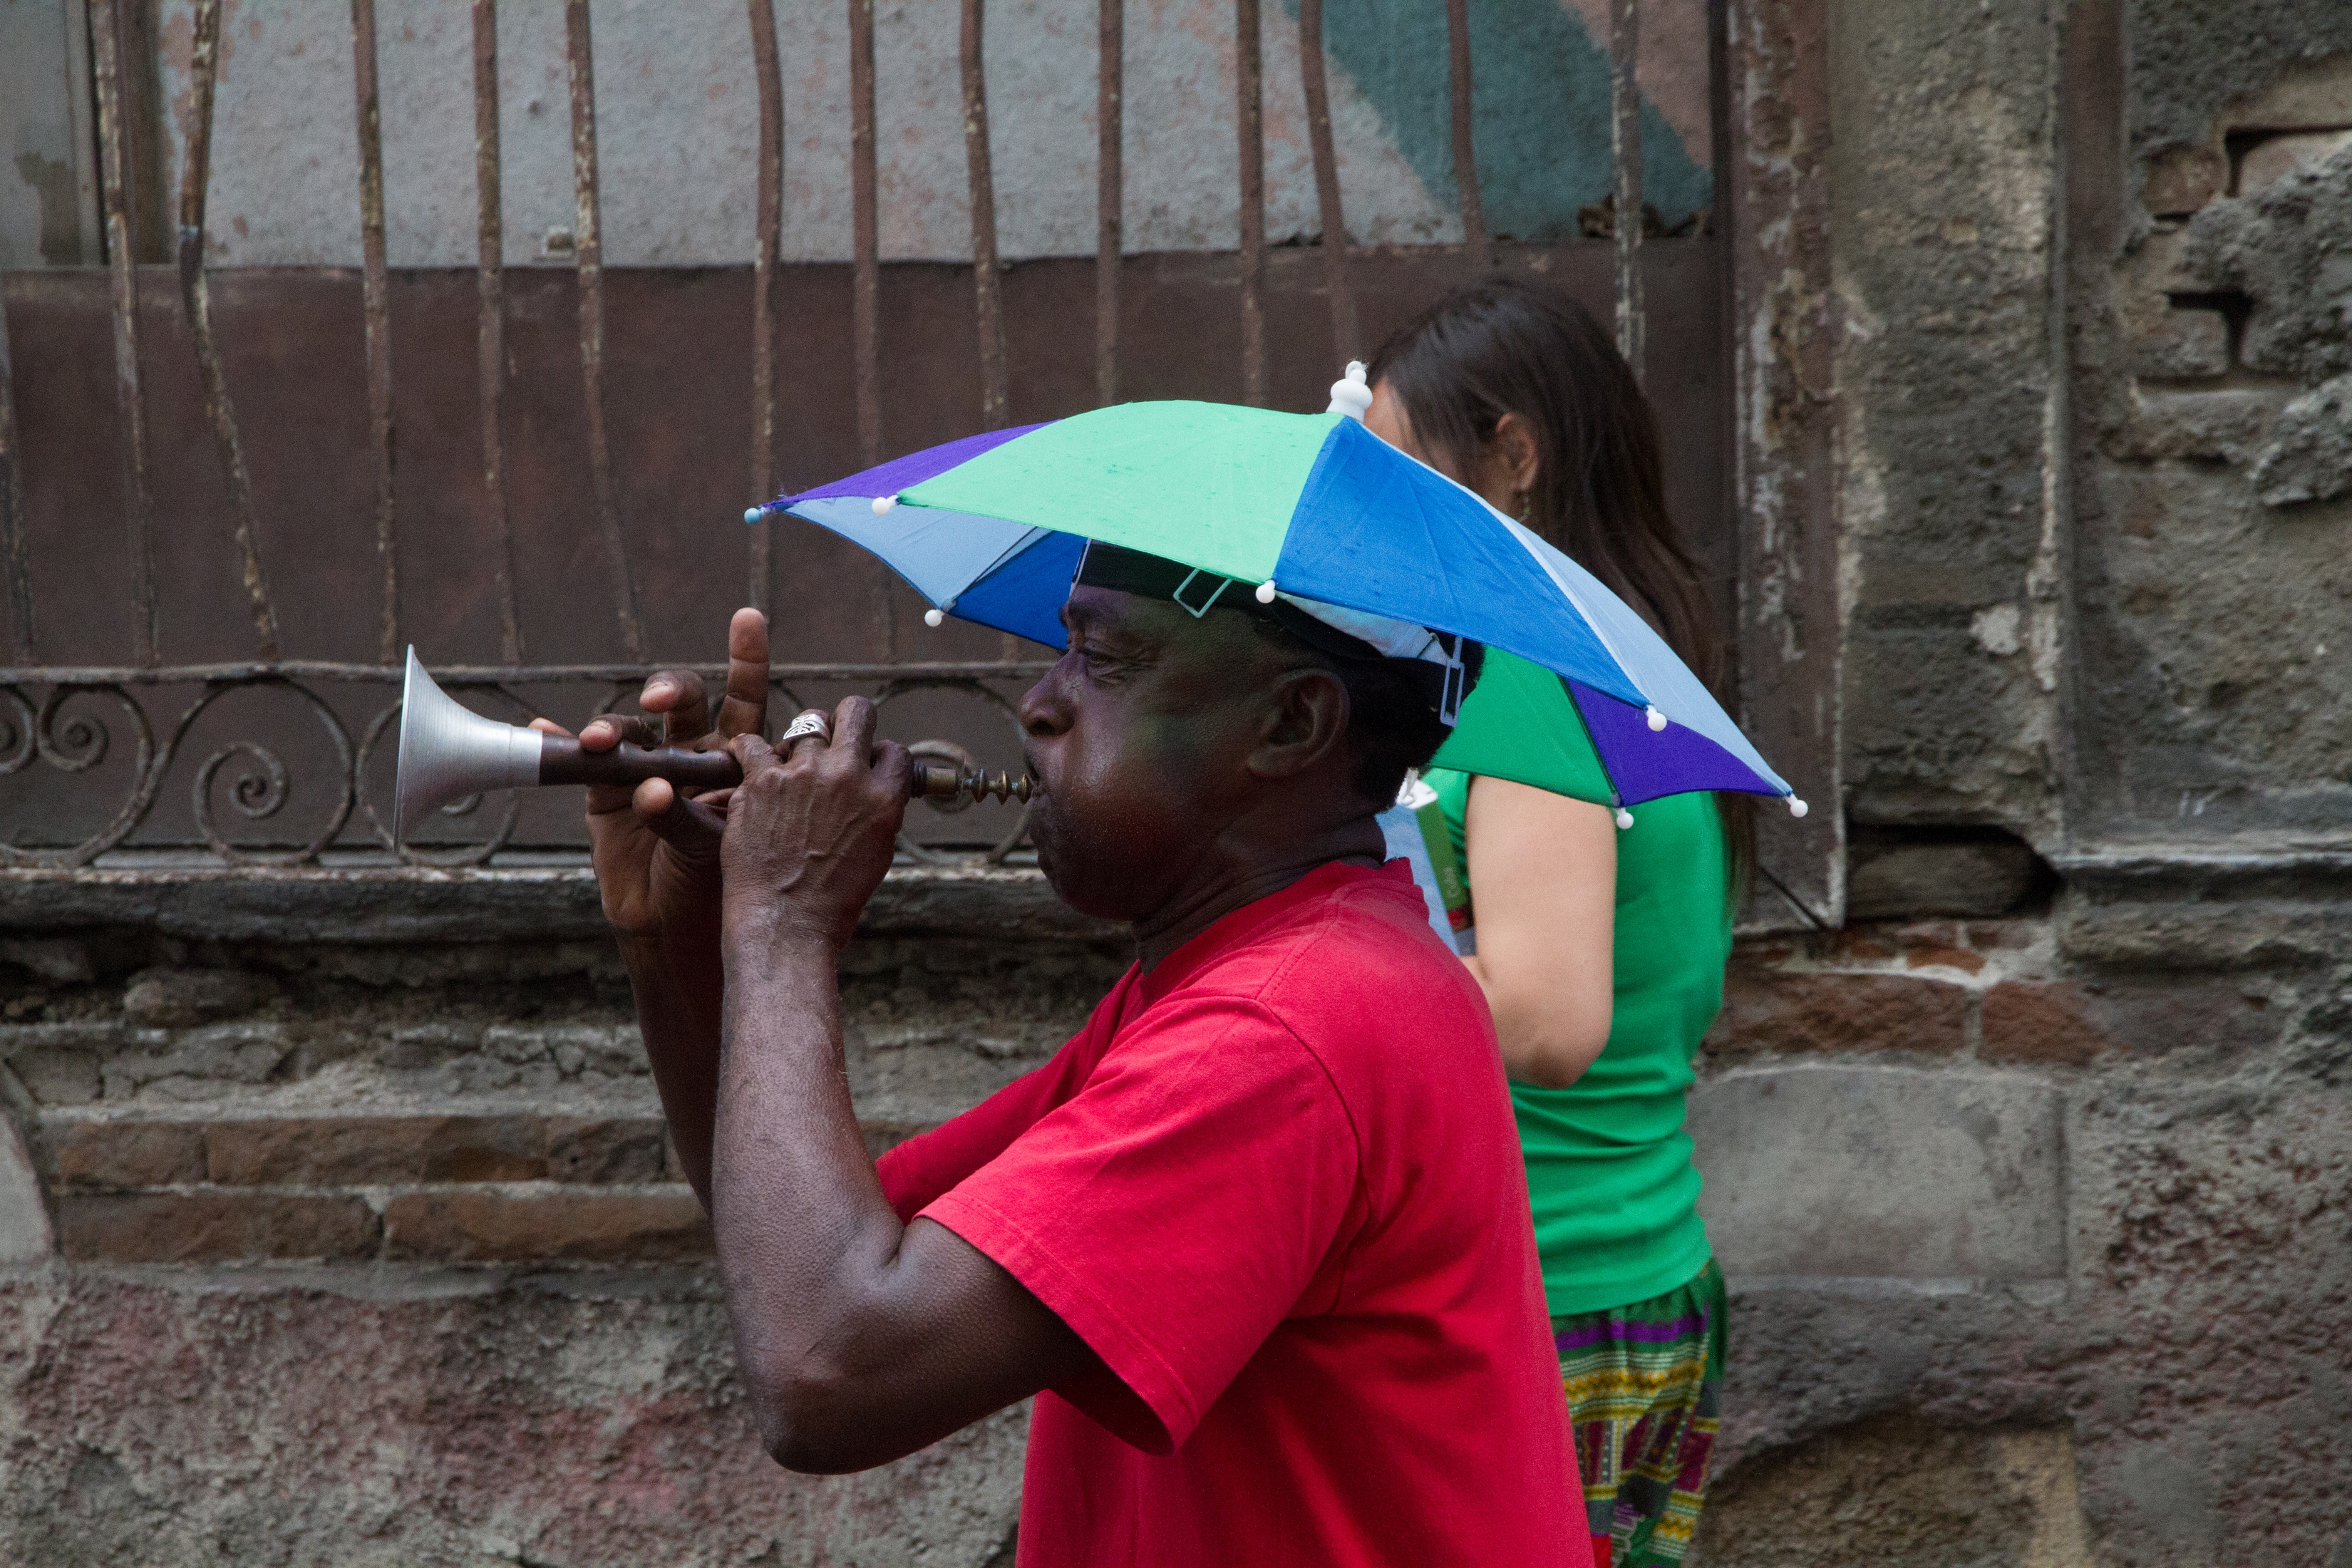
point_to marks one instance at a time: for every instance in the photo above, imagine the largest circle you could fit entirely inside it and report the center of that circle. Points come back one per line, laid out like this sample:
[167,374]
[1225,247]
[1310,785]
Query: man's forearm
[676,980]
[806,1238]
[860,1340]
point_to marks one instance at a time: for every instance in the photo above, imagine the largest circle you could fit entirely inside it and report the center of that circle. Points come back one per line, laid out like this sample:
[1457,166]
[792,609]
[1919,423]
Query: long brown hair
[1511,345]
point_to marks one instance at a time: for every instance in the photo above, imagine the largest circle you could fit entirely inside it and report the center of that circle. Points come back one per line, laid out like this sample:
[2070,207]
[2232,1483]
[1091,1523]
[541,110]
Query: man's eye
[1103,665]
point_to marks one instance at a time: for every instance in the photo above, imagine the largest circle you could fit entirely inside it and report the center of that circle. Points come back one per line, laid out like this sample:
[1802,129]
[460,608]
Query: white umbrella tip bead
[1657,720]
[1796,807]
[1624,818]
[935,616]
[882,504]
[1265,592]
[1350,399]
[754,513]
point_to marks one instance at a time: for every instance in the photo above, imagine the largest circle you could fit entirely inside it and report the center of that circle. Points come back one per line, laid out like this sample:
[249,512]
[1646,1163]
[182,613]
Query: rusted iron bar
[491,333]
[1249,78]
[1625,152]
[15,558]
[1327,178]
[1475,245]
[114,161]
[374,290]
[866,287]
[768,71]
[195,183]
[995,394]
[496,674]
[1110,197]
[149,180]
[588,249]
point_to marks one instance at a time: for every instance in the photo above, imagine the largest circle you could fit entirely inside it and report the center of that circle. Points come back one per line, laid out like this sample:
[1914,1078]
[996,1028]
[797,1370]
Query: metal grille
[125,732]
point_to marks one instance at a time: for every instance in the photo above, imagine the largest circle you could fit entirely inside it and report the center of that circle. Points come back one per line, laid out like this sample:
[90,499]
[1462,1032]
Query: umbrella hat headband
[1440,665]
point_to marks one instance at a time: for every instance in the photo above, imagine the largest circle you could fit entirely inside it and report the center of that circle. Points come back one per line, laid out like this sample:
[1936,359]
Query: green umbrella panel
[1519,723]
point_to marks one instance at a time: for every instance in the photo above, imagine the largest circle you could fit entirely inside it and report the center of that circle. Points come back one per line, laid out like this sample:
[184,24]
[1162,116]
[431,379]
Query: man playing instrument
[1256,1239]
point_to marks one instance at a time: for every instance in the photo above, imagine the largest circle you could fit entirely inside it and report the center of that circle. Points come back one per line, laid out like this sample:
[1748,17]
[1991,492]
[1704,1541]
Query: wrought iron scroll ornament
[66,729]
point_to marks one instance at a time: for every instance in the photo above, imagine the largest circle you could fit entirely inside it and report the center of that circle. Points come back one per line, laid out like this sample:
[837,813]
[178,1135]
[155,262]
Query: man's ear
[1305,720]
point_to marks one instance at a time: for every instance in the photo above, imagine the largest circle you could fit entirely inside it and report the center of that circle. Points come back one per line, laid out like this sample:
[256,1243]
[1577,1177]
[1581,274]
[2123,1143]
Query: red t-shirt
[1275,1185]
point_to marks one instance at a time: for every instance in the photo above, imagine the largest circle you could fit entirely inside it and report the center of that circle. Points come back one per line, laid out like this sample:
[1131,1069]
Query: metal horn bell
[447,751]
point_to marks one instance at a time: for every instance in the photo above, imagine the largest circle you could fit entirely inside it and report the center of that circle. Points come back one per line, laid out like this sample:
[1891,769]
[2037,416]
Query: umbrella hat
[1316,508]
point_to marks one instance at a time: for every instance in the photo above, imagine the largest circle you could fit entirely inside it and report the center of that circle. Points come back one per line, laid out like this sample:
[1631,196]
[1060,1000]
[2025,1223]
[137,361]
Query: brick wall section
[246,1117]
[229,1124]
[1949,990]
[514,1187]
[1996,993]
[517,1186]
[215,1226]
[545,1224]
[488,1104]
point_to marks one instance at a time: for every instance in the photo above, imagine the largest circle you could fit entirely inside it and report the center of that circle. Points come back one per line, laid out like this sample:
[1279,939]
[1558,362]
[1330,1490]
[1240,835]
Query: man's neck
[1235,876]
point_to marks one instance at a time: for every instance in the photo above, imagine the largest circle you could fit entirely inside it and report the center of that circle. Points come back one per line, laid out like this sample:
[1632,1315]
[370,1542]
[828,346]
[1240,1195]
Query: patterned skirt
[1644,1387]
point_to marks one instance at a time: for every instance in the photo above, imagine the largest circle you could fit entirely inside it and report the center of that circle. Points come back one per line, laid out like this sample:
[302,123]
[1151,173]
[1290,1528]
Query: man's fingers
[550,727]
[607,730]
[745,709]
[853,727]
[603,733]
[893,768]
[677,695]
[683,824]
[754,754]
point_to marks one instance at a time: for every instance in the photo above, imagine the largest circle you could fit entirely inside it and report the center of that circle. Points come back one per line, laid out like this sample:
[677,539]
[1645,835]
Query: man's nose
[1045,712]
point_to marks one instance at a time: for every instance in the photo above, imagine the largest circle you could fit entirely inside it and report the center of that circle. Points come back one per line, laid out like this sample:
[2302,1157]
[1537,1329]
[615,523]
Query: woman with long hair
[1600,950]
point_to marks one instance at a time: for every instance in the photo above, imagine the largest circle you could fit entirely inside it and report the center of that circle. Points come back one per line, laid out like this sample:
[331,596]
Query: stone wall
[2035,1208]
[2077,1181]
[2215,467]
[338,1223]
[342,1227]
[371,1249]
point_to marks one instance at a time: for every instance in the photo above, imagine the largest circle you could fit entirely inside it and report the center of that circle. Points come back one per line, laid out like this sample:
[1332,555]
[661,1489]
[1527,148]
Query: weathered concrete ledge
[194,896]
[2297,871]
[204,900]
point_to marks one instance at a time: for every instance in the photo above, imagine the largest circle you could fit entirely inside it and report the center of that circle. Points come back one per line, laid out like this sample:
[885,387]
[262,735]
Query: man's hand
[809,834]
[655,847]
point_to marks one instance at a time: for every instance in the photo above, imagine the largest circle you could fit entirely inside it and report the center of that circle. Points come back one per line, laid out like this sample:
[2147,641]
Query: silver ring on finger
[809,721]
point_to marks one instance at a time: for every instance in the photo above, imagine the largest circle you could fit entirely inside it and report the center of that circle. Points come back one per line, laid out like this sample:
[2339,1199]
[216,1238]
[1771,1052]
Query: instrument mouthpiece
[940,782]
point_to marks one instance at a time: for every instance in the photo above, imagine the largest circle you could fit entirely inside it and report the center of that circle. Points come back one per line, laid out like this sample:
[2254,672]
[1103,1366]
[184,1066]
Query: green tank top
[1610,1174]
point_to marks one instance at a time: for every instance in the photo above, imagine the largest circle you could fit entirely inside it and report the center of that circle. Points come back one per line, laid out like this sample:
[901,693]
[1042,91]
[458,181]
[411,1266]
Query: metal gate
[540,496]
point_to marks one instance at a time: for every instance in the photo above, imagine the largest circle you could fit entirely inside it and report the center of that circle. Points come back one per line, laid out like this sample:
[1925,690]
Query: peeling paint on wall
[48,199]
[678,119]
[1540,68]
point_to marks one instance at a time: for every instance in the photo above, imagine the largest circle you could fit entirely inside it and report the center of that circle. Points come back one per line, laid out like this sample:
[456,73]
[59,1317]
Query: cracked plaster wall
[2089,261]
[2098,451]
[2213,335]
[1942,182]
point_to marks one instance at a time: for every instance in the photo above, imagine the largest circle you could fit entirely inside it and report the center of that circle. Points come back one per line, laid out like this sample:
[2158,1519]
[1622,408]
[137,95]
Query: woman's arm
[1543,873]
